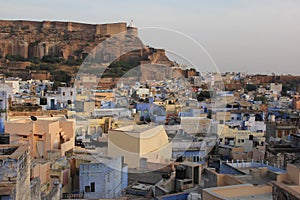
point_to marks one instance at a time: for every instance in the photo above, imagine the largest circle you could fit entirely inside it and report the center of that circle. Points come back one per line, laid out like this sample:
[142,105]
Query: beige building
[288,184]
[253,184]
[50,173]
[283,186]
[140,143]
[241,144]
[48,137]
[296,102]
[14,172]
[195,125]
[237,138]
[276,87]
[222,117]
[95,128]
[60,172]
[40,168]
[244,191]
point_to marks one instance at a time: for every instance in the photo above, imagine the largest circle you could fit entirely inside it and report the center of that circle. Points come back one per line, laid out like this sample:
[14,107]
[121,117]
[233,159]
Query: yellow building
[137,143]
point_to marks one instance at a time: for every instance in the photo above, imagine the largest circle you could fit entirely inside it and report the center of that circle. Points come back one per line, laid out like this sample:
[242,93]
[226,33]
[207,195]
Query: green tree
[44,66]
[35,60]
[55,85]
[251,87]
[48,67]
[61,76]
[204,94]
[263,99]
[17,57]
[33,67]
[73,62]
[52,59]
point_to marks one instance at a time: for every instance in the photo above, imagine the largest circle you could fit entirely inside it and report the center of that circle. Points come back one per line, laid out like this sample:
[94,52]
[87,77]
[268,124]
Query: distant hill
[60,48]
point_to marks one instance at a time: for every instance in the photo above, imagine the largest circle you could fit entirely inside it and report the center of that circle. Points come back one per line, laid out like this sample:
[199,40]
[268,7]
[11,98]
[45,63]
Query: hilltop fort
[55,50]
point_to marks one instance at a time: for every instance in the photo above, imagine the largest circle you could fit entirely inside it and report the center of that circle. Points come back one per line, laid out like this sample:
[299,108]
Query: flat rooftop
[245,166]
[241,192]
[26,119]
[144,176]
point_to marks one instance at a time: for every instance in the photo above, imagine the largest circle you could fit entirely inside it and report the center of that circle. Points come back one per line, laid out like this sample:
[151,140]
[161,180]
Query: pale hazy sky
[256,36]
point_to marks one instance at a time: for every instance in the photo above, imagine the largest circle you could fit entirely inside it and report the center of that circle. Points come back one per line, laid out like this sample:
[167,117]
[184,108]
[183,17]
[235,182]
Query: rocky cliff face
[58,39]
[29,40]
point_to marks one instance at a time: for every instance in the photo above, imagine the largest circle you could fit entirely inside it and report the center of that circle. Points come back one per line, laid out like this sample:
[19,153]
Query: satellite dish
[33,118]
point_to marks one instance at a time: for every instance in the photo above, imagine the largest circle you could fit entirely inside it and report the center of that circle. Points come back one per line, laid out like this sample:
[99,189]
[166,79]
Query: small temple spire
[131,25]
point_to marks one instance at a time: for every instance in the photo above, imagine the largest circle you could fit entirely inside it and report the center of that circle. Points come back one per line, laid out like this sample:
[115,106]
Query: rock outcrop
[31,39]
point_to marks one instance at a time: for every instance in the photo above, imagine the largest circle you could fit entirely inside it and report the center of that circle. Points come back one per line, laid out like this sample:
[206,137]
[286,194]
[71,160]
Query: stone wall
[37,113]
[60,39]
[40,75]
[66,40]
[18,64]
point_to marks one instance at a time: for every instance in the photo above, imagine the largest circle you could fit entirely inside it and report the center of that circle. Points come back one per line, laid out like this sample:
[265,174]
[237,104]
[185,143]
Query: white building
[63,99]
[6,91]
[102,177]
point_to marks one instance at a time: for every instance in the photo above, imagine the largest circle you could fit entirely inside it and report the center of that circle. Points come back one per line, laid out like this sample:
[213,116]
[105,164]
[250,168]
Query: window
[108,177]
[87,189]
[40,136]
[5,197]
[279,133]
[71,93]
[64,93]
[93,187]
